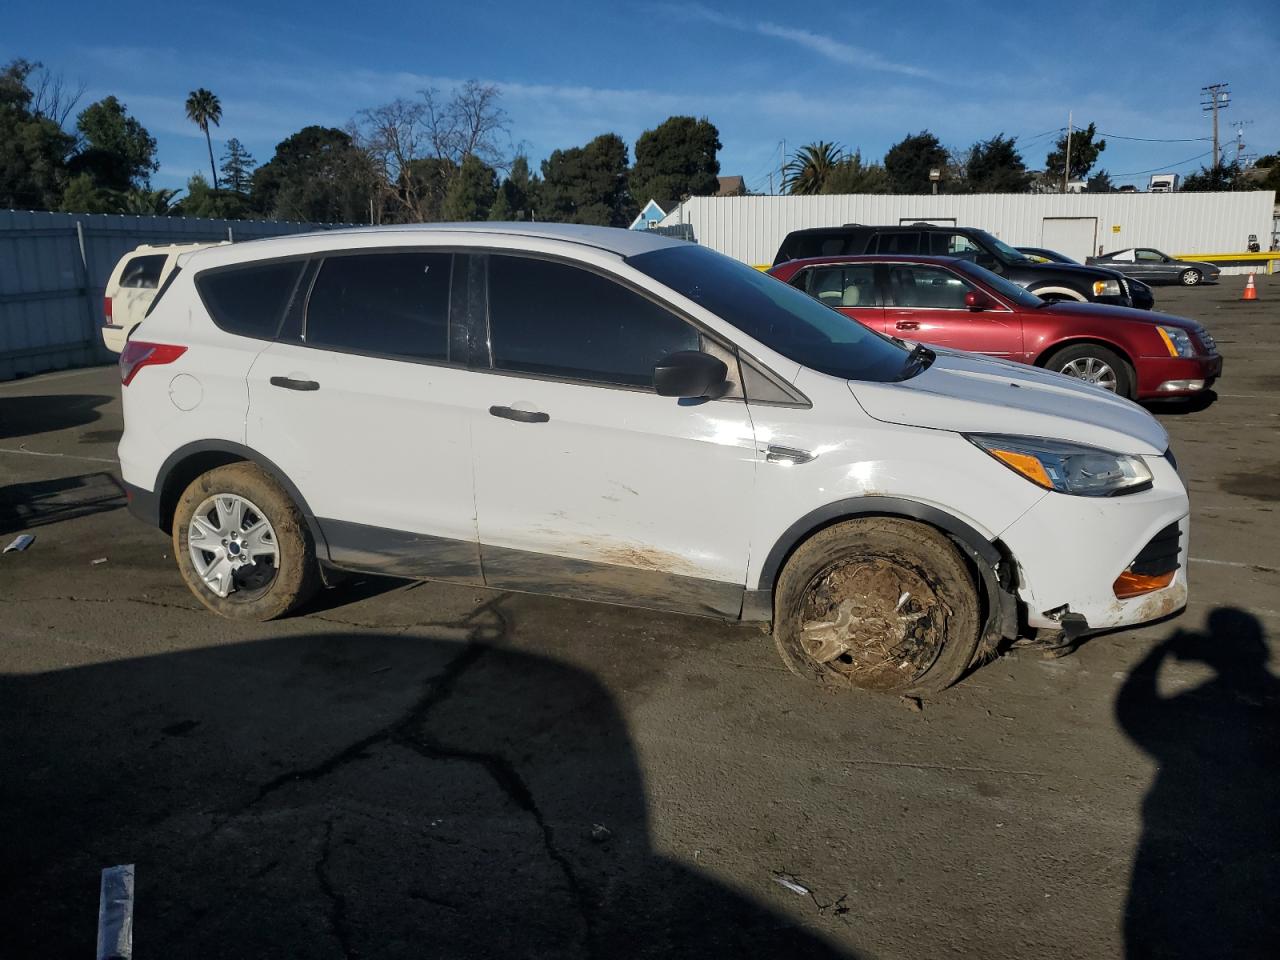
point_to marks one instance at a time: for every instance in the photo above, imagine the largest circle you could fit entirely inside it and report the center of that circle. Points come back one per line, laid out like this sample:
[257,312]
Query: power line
[1138,173]
[1117,136]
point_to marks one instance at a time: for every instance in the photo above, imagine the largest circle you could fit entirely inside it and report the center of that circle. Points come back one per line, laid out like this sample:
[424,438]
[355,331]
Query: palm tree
[203,109]
[807,170]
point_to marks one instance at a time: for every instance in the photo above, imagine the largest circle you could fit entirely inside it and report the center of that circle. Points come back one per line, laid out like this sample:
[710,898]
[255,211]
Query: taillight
[138,354]
[106,310]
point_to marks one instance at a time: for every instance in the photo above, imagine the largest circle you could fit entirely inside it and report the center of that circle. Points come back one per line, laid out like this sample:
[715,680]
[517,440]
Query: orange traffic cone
[1250,290]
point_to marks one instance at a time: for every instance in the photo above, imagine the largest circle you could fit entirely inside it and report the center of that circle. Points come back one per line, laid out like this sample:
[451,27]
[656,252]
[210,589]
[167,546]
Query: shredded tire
[878,603]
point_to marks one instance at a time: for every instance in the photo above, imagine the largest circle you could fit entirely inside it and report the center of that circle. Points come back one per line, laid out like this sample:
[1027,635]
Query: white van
[132,287]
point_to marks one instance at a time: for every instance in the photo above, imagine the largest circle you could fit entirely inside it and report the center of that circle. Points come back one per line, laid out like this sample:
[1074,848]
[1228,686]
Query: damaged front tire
[878,603]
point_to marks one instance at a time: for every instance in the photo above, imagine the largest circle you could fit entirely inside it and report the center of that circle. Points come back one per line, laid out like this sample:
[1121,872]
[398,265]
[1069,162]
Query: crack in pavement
[75,599]
[406,731]
[337,902]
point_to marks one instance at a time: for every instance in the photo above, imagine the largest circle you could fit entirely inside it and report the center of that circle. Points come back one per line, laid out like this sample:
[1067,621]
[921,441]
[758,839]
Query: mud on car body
[616,416]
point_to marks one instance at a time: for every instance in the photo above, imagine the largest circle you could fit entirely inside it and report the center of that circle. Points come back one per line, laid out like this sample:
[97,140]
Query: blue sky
[860,74]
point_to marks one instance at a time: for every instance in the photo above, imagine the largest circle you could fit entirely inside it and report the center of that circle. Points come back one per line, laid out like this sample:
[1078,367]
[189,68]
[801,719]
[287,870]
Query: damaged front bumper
[1094,564]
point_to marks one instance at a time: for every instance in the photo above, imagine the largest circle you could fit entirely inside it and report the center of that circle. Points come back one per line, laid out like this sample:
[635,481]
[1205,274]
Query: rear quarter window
[249,300]
[143,272]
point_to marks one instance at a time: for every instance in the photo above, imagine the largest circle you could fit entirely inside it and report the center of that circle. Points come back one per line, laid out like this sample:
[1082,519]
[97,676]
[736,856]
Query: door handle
[520,416]
[907,325]
[290,384]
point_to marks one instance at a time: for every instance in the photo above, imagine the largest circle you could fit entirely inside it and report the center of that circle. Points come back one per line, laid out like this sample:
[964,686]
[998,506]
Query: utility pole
[1215,97]
[1066,171]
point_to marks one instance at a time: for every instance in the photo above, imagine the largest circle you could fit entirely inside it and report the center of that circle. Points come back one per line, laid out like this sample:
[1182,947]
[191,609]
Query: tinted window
[953,245]
[1151,256]
[929,287]
[1006,288]
[559,320]
[143,271]
[844,286]
[776,314]
[385,303]
[249,300]
[899,242]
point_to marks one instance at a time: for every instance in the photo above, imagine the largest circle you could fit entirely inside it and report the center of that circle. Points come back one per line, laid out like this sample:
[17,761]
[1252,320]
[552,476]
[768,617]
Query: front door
[927,304]
[588,483]
[366,410]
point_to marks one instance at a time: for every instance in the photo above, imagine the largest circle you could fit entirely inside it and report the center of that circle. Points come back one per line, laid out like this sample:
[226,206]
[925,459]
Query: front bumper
[1163,377]
[1070,550]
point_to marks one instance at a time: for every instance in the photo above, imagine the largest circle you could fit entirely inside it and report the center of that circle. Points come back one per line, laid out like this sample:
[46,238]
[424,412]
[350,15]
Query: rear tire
[1189,278]
[880,603]
[261,590]
[1094,364]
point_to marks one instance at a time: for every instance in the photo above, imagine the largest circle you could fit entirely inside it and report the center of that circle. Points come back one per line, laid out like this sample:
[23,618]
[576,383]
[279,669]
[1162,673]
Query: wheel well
[1048,288]
[1048,352]
[183,473]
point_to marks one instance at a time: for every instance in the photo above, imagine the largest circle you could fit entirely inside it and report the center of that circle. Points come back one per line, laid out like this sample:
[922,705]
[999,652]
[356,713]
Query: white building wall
[752,228]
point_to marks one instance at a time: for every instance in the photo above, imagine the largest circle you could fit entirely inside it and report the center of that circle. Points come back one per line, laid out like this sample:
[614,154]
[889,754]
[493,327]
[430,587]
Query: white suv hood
[968,393]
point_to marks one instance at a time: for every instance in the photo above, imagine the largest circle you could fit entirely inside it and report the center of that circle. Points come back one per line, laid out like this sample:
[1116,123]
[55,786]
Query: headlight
[1177,341]
[1067,467]
[1106,288]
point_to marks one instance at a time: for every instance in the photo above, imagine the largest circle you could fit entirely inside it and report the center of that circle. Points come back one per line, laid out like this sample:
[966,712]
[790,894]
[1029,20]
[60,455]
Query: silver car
[1151,266]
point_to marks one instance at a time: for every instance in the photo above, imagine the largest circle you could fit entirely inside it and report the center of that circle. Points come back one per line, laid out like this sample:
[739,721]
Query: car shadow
[1180,408]
[35,504]
[28,416]
[1207,867]
[350,795]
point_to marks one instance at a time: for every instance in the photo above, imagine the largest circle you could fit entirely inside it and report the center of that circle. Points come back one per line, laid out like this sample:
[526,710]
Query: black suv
[1051,281]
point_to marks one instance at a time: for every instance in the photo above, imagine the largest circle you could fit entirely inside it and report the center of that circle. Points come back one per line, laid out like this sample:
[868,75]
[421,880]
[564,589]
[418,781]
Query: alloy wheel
[232,546]
[1092,370]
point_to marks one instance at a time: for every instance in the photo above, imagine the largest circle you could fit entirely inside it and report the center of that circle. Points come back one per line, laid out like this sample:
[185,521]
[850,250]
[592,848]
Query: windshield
[1006,252]
[777,314]
[1006,288]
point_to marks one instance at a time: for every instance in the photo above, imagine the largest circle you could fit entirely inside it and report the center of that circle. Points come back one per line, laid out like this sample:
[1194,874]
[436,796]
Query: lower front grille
[1161,554]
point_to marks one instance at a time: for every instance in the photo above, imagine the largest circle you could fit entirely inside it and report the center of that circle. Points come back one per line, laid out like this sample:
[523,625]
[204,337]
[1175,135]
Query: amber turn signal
[1130,584]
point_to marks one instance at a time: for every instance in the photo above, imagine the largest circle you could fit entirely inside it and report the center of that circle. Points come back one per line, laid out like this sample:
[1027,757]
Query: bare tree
[52,97]
[417,146]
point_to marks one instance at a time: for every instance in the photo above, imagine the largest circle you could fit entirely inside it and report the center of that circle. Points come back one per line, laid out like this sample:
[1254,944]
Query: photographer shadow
[1206,873]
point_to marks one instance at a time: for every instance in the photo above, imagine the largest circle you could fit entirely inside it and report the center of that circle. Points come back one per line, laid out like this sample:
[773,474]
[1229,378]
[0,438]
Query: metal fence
[54,269]
[752,228]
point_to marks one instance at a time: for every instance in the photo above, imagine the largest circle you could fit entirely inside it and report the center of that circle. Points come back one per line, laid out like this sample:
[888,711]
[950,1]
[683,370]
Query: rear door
[588,483]
[364,403]
[926,303]
[849,288]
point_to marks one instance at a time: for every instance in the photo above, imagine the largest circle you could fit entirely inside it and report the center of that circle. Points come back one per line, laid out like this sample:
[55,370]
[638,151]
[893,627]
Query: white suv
[617,416]
[133,286]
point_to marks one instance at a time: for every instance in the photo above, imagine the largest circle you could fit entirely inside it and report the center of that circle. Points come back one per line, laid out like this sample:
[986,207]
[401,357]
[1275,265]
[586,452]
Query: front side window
[143,272]
[954,245]
[927,287]
[249,300]
[776,314]
[562,321]
[850,285]
[1150,256]
[391,304]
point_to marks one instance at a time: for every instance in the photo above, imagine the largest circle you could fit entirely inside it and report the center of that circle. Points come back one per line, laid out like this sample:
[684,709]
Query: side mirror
[688,374]
[977,300]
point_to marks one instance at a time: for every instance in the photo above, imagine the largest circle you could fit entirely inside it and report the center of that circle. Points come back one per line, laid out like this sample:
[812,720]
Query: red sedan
[958,305]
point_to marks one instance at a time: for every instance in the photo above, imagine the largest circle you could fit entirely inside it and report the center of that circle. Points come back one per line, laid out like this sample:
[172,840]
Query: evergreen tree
[471,192]
[675,160]
[1084,154]
[118,152]
[909,161]
[237,167]
[588,184]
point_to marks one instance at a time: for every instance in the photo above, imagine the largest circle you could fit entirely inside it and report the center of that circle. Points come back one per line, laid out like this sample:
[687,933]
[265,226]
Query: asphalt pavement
[427,770]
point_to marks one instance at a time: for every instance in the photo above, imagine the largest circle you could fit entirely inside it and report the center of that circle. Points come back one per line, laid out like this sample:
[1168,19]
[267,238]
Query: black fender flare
[852,507]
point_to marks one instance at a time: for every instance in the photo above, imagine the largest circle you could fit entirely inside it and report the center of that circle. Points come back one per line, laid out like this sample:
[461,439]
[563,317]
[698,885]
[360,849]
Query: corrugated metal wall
[751,228]
[54,267]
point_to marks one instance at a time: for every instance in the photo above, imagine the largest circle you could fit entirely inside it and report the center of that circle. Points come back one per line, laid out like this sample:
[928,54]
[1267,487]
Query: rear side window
[249,300]
[143,272]
[844,286]
[392,304]
[563,321]
[900,241]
